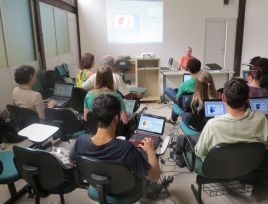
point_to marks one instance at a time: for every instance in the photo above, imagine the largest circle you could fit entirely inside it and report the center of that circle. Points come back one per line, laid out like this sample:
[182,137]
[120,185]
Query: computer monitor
[245,74]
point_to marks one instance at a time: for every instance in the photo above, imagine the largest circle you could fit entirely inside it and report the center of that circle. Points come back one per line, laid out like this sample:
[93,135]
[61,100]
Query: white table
[176,78]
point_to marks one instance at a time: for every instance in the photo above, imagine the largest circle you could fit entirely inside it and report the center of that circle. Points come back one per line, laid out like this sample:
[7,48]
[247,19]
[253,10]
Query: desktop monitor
[245,74]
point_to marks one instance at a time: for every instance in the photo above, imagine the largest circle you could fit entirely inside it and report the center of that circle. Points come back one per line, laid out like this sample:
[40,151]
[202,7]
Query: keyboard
[164,68]
[137,138]
[59,102]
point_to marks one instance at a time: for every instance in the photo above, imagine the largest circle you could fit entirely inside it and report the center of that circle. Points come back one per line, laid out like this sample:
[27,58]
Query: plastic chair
[123,66]
[188,131]
[109,182]
[225,162]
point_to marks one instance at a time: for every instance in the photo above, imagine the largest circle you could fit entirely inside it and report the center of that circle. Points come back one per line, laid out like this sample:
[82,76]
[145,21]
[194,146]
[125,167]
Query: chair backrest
[22,117]
[1,167]
[37,86]
[121,179]
[122,65]
[184,97]
[77,99]
[39,168]
[63,118]
[91,123]
[227,161]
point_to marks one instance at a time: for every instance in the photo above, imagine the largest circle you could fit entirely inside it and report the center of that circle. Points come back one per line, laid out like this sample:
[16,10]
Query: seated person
[119,84]
[184,59]
[24,96]
[104,85]
[254,80]
[204,89]
[188,86]
[86,63]
[237,125]
[106,110]
[263,63]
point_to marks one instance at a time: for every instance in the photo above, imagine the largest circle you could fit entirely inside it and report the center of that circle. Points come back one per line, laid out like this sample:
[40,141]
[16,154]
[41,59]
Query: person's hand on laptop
[147,145]
[52,104]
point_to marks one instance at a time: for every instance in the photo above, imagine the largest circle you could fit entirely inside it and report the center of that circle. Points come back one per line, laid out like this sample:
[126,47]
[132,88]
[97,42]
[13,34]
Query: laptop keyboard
[140,137]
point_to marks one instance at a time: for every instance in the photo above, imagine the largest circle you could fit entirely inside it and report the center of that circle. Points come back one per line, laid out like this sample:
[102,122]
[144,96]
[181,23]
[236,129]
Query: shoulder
[83,138]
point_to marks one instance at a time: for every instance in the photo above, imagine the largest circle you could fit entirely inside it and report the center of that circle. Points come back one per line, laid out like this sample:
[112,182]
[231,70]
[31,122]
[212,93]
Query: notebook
[170,61]
[259,104]
[62,93]
[213,108]
[151,126]
[213,66]
[129,104]
[186,77]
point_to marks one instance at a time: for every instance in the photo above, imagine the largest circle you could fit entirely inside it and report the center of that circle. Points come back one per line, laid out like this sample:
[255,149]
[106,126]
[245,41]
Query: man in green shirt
[237,125]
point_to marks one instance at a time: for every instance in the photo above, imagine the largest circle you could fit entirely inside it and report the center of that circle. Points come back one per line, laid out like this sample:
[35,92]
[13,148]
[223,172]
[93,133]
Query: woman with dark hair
[263,64]
[254,80]
[104,85]
[24,96]
[86,63]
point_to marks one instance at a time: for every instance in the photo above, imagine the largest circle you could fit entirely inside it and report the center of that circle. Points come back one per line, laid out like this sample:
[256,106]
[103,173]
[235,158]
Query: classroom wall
[184,25]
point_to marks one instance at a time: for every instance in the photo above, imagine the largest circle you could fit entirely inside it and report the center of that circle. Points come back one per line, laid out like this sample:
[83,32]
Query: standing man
[184,59]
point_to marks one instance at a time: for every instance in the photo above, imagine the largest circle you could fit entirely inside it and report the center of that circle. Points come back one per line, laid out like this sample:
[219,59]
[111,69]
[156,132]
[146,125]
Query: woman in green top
[104,85]
[86,63]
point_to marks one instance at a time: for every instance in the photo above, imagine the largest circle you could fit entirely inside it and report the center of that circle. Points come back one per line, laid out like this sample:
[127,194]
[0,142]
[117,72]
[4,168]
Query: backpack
[52,77]
[63,70]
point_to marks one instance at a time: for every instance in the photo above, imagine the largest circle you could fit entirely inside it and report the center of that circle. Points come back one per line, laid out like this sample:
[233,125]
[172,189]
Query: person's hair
[104,78]
[204,89]
[107,60]
[23,74]
[262,63]
[104,108]
[86,61]
[189,48]
[236,92]
[256,73]
[193,65]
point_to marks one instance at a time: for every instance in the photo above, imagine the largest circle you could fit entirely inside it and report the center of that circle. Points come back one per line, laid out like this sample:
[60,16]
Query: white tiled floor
[180,189]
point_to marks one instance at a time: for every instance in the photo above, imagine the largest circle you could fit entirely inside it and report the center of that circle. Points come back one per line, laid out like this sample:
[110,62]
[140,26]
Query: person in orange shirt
[184,59]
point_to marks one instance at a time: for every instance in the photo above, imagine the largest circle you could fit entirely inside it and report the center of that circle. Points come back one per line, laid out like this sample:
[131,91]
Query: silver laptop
[62,93]
[260,104]
[186,77]
[129,104]
[213,108]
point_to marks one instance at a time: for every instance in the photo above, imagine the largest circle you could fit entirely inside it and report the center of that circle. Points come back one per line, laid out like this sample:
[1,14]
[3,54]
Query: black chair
[77,99]
[67,122]
[123,66]
[109,182]
[43,172]
[38,86]
[225,162]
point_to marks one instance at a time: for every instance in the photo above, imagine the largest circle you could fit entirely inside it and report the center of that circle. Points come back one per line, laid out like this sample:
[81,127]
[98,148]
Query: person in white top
[119,84]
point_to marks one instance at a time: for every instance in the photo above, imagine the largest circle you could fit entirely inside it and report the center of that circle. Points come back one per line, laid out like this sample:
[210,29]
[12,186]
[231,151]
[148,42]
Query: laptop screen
[185,98]
[259,104]
[186,77]
[214,108]
[152,123]
[63,90]
[129,104]
[245,74]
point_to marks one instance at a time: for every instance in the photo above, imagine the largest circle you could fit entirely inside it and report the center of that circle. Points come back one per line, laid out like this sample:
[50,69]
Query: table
[176,78]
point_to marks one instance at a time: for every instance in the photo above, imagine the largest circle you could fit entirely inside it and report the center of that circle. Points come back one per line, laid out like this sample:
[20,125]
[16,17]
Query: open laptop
[62,93]
[129,104]
[151,126]
[184,97]
[213,66]
[260,104]
[170,62]
[186,77]
[213,108]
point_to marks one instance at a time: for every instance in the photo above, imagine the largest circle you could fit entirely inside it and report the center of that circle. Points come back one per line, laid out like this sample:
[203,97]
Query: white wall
[184,25]
[255,41]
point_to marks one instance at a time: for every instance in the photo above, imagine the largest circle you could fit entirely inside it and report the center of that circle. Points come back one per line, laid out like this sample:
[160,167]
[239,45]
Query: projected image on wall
[134,21]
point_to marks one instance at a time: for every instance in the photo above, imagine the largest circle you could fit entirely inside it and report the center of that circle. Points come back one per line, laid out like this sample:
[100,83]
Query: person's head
[193,65]
[262,63]
[188,51]
[25,74]
[107,60]
[236,93]
[255,74]
[87,61]
[106,109]
[204,89]
[104,78]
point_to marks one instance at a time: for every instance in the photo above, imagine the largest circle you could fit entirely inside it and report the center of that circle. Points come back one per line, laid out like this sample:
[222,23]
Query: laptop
[130,105]
[62,93]
[186,77]
[245,74]
[184,98]
[260,104]
[213,66]
[213,108]
[151,126]
[170,62]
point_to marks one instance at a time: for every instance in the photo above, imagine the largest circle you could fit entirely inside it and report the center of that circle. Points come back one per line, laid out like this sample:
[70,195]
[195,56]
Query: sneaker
[178,158]
[171,121]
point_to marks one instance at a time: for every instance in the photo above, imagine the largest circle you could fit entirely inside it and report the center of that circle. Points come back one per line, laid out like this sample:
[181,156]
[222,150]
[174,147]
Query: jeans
[171,93]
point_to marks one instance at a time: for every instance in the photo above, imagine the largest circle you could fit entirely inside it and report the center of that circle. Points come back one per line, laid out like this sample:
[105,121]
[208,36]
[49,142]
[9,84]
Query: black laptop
[184,98]
[213,66]
[213,108]
[62,93]
[260,104]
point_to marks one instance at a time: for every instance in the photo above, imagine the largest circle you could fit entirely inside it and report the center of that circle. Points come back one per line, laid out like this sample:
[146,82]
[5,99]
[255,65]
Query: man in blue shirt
[106,110]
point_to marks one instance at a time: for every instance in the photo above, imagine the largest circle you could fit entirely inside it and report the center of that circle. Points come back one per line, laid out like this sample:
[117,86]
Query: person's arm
[124,117]
[86,110]
[89,73]
[89,83]
[154,172]
[180,64]
[180,92]
[133,95]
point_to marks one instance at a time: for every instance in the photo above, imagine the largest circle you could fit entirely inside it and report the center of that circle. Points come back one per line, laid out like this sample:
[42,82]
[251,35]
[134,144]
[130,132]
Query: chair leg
[14,194]
[37,200]
[62,199]
[197,194]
